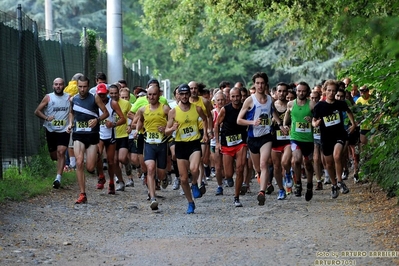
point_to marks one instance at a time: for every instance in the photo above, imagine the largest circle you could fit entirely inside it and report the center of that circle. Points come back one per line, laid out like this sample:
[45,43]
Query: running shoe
[196,192]
[202,188]
[237,203]
[219,191]
[334,191]
[319,185]
[269,189]
[130,183]
[82,199]
[343,187]
[243,189]
[261,198]
[289,190]
[345,175]
[309,192]
[355,178]
[191,208]
[176,184]
[56,184]
[208,178]
[298,190]
[169,178]
[229,182]
[157,184]
[121,186]
[128,169]
[327,180]
[281,194]
[154,205]
[111,189]
[100,182]
[164,183]
[105,165]
[288,181]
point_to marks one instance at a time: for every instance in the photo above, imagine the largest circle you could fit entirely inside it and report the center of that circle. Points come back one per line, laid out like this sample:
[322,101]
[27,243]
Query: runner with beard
[184,120]
[232,142]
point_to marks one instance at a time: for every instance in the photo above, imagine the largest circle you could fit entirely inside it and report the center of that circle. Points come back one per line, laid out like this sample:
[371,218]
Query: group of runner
[233,130]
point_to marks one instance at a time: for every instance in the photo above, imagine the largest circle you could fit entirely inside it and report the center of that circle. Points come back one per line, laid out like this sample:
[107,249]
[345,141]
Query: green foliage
[39,164]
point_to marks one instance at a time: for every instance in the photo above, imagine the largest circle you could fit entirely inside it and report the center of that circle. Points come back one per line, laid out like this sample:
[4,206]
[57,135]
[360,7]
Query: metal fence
[28,65]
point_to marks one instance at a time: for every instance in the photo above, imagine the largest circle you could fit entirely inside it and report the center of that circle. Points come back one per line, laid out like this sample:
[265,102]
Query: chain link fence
[28,66]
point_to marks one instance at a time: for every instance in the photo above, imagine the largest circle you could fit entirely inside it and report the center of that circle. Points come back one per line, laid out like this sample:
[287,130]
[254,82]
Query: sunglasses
[363,90]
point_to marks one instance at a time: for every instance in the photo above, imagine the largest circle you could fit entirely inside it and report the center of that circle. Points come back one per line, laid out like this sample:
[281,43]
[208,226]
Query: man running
[328,115]
[153,117]
[232,143]
[206,107]
[56,107]
[85,121]
[257,112]
[122,137]
[184,120]
[108,138]
[301,136]
[281,147]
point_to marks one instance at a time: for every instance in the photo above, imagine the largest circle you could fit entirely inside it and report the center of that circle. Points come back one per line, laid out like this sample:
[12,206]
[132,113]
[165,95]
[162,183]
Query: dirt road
[122,230]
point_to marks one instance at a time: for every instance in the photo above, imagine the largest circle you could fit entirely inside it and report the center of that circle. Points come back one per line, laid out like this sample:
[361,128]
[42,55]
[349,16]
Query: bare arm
[219,121]
[277,119]
[118,110]
[140,119]
[245,107]
[208,106]
[287,117]
[204,118]
[42,104]
[171,125]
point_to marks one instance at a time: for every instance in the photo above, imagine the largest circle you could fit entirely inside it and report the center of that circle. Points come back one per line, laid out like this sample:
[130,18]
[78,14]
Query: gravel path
[122,230]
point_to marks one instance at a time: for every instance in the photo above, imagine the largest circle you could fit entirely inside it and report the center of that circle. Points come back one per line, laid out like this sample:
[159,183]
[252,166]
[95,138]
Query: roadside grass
[36,178]
[16,186]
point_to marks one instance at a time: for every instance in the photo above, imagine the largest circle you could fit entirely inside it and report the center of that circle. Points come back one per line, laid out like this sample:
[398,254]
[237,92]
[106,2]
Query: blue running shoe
[196,192]
[191,208]
[281,194]
[219,191]
[288,181]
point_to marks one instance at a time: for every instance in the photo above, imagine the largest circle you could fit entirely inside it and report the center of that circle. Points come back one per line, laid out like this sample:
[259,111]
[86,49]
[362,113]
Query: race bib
[102,123]
[281,136]
[58,124]
[264,121]
[303,127]
[233,140]
[82,126]
[188,132]
[332,119]
[316,133]
[154,137]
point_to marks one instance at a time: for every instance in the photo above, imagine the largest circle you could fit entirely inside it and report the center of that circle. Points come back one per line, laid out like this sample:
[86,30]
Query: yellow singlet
[152,120]
[120,131]
[200,103]
[188,124]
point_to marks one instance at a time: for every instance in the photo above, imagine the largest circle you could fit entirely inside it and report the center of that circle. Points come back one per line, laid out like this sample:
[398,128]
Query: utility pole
[48,11]
[114,40]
